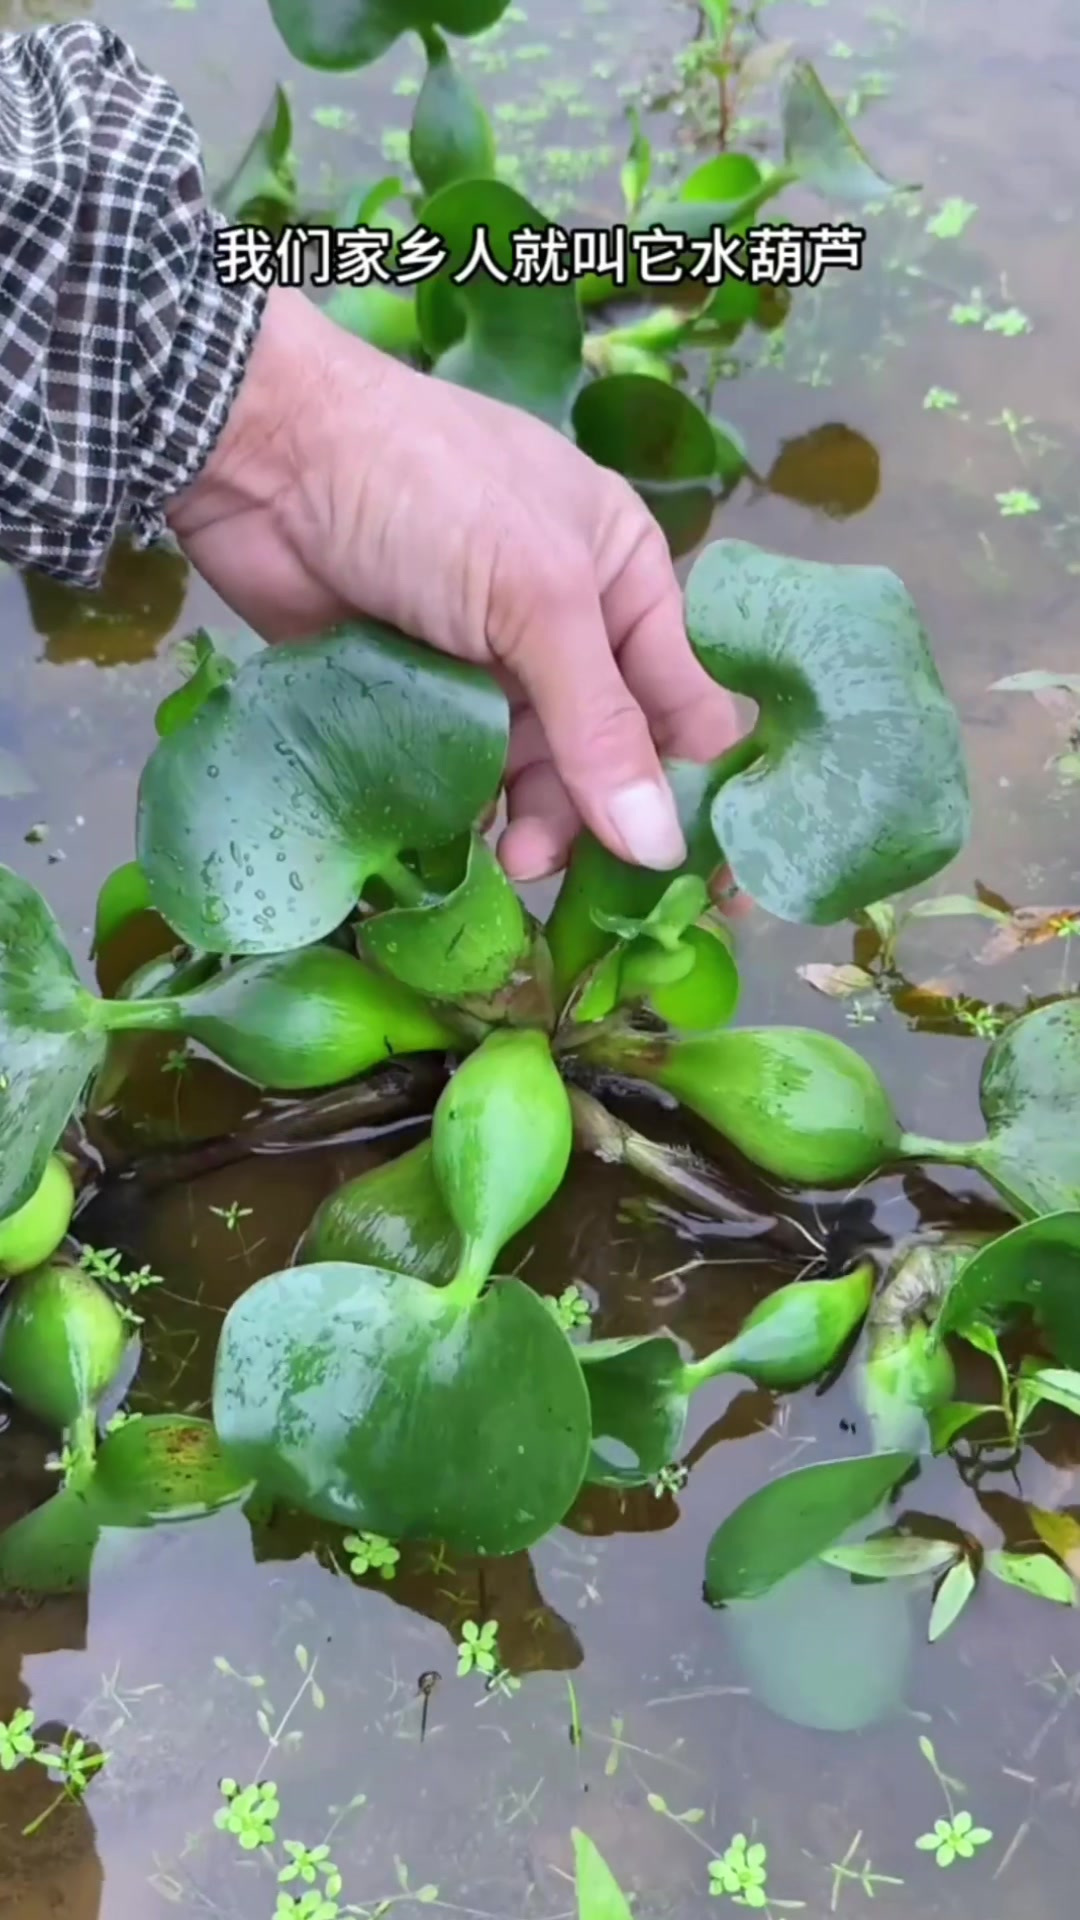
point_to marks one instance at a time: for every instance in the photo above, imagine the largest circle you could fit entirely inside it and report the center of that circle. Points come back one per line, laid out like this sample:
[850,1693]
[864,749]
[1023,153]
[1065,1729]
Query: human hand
[345,483]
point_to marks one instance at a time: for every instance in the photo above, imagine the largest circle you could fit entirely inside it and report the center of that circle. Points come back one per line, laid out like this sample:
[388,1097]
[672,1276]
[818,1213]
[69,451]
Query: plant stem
[406,886]
[472,1275]
[957,1153]
[738,757]
[164,1015]
[82,1442]
[696,1372]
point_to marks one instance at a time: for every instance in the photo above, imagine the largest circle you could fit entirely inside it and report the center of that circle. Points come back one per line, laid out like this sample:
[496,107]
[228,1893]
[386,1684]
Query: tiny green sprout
[249,1812]
[571,1309]
[176,1061]
[72,1766]
[954,1839]
[478,1648]
[309,1906]
[940,400]
[984,1022]
[1016,501]
[669,1480]
[741,1873]
[972,312]
[17,1742]
[951,218]
[233,1214]
[103,1263]
[1010,322]
[372,1553]
[311,1864]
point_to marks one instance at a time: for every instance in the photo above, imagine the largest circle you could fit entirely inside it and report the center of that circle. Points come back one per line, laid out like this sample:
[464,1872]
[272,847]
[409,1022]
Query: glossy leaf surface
[392,1216]
[48,1049]
[859,787]
[260,820]
[953,1593]
[1034,1573]
[795,1334]
[1037,1266]
[370,1399]
[514,341]
[467,943]
[501,1139]
[1030,1098]
[793,1519]
[638,1396]
[599,1895]
[123,895]
[32,1235]
[62,1339]
[450,137]
[892,1556]
[336,35]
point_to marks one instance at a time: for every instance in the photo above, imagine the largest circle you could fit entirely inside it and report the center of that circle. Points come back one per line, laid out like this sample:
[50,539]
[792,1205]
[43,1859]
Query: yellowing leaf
[839,982]
[1061,1533]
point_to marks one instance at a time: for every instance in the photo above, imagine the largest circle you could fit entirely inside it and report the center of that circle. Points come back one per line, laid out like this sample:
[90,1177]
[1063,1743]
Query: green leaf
[597,881]
[32,1235]
[820,147]
[795,1334]
[501,1138]
[903,1376]
[793,1519]
[892,1556]
[336,35]
[1059,1385]
[636,169]
[123,896]
[61,1343]
[261,820]
[514,341]
[949,1421]
[391,1216]
[451,136]
[1030,1099]
[708,995]
[1033,1573]
[952,1596]
[49,1047]
[212,667]
[261,190]
[823,1651]
[52,1548]
[372,1400]
[654,435]
[859,785]
[599,1895]
[165,1466]
[469,942]
[1037,1266]
[638,1398]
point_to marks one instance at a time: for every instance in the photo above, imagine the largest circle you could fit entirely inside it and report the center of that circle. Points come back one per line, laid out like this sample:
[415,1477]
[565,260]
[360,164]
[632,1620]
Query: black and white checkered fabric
[120,351]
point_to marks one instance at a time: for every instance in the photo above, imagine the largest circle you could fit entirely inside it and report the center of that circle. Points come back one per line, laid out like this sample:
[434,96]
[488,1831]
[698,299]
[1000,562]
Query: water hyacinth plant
[309,836]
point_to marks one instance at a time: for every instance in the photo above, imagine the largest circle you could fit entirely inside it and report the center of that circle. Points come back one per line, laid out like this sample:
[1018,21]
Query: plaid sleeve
[120,350]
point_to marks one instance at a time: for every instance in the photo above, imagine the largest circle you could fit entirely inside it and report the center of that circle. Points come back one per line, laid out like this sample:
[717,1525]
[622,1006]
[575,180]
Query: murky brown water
[976,103]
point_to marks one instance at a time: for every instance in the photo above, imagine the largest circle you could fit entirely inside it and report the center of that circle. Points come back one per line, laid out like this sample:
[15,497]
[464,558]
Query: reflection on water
[922,415]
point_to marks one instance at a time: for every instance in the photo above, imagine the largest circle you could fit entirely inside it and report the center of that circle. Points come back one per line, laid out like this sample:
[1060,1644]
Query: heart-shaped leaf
[793,1519]
[261,190]
[62,1340]
[501,1139]
[262,818]
[515,340]
[336,35]
[892,1556]
[820,147]
[953,1593]
[1030,1099]
[450,137]
[599,1895]
[49,1046]
[853,784]
[654,435]
[1036,1266]
[154,1468]
[1033,1573]
[466,943]
[638,1397]
[370,1399]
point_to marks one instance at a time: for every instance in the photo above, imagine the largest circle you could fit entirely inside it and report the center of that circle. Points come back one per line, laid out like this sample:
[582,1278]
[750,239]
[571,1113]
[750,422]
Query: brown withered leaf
[839,982]
[1027,927]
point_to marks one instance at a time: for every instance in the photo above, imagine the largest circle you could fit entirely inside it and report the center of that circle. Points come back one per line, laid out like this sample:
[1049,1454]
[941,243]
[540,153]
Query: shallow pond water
[894,425]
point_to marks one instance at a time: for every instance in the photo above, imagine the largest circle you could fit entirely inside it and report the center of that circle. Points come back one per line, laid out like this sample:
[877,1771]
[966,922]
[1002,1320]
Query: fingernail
[644,817]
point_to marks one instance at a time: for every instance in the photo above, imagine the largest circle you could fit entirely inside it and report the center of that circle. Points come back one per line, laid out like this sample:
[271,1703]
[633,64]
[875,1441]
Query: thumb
[597,734]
